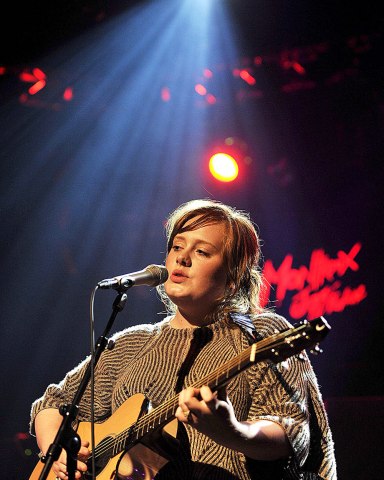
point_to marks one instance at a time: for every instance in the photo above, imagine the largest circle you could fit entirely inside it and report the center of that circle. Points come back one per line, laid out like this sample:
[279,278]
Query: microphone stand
[66,436]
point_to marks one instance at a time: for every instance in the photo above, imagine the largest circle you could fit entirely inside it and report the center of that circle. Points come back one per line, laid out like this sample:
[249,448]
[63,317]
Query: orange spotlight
[223,167]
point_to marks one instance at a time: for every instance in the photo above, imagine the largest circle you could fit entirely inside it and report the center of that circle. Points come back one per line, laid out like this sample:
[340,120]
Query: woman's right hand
[47,423]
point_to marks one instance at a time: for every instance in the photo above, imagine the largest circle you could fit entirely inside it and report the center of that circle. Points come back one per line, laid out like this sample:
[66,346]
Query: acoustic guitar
[134,443]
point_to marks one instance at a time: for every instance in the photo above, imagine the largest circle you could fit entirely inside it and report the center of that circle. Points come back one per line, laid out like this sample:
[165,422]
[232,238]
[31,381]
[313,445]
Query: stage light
[37,77]
[165,94]
[244,75]
[223,167]
[228,159]
[200,89]
[68,94]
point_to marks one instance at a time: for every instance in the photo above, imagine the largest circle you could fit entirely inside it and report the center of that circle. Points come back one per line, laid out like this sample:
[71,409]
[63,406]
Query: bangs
[194,220]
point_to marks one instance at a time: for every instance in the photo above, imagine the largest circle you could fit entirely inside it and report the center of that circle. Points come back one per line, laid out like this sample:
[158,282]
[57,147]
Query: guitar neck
[276,348]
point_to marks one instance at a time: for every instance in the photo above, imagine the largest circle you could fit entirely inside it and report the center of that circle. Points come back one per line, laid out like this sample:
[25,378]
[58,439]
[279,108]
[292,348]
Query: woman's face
[197,274]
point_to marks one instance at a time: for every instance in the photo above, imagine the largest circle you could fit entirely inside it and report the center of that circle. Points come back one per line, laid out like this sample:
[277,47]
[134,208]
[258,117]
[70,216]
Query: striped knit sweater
[148,359]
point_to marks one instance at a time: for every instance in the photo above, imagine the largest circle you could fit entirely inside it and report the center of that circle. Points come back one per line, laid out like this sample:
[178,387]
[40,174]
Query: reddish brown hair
[241,251]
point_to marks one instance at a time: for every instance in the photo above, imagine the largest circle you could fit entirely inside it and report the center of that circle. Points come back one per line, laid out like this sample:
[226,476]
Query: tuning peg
[316,350]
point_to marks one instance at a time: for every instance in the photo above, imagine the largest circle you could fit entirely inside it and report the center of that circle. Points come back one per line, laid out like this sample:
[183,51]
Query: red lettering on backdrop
[318,291]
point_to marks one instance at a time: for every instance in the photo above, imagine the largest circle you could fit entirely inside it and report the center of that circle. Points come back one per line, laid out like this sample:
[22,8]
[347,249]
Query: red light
[37,77]
[39,74]
[200,89]
[37,87]
[223,167]
[27,77]
[298,68]
[211,99]
[165,94]
[68,94]
[247,77]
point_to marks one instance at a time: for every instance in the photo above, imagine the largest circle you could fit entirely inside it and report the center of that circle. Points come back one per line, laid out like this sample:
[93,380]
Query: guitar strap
[246,325]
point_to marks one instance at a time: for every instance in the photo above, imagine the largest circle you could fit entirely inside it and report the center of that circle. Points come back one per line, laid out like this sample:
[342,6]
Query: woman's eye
[202,252]
[176,248]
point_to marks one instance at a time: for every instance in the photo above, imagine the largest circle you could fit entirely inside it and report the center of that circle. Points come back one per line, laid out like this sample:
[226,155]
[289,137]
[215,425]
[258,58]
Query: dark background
[76,209]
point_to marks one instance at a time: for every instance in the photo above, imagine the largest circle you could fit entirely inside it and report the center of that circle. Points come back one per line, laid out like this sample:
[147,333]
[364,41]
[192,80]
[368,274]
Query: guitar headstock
[303,335]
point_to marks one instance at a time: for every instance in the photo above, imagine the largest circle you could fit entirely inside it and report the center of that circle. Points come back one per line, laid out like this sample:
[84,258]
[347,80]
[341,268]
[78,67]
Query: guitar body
[141,461]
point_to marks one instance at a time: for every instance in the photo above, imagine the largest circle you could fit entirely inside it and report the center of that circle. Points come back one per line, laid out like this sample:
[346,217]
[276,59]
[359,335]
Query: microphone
[152,275]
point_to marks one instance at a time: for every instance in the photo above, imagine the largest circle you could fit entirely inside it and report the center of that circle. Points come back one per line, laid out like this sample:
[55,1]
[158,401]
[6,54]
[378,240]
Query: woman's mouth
[178,276]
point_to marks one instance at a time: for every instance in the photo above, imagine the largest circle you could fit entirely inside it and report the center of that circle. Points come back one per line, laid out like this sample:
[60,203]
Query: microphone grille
[159,274]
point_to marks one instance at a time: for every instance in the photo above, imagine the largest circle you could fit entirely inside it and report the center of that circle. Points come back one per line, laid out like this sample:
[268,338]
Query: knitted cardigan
[158,360]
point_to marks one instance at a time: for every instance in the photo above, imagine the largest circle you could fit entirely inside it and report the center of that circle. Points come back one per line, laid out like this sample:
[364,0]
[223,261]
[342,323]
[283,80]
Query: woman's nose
[183,259]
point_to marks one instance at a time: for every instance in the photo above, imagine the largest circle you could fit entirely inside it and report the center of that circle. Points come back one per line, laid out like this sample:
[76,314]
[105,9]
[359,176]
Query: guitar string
[171,404]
